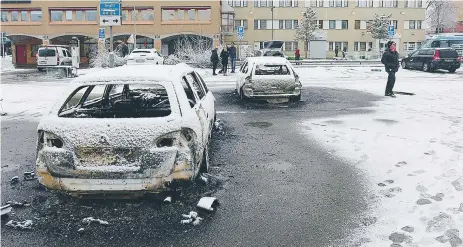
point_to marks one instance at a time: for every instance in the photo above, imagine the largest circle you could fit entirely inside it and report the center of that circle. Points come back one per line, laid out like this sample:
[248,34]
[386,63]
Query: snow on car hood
[127,133]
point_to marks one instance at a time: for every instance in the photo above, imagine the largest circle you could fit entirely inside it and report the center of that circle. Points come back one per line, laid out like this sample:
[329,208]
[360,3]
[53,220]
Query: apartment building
[157,24]
[342,23]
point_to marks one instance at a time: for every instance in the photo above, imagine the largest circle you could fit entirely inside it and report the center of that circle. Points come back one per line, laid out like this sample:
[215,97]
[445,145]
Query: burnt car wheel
[242,96]
[204,166]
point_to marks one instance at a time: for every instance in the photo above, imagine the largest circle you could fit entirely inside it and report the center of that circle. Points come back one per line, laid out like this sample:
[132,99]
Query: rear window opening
[271,69]
[141,52]
[117,101]
[47,52]
[448,53]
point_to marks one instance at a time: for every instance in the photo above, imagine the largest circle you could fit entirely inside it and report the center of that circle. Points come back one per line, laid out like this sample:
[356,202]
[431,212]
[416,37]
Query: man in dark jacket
[232,53]
[214,60]
[390,60]
[224,56]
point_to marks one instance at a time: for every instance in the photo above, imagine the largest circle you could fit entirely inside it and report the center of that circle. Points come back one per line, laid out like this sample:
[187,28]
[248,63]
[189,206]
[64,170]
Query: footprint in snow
[391,192]
[418,172]
[385,183]
[401,163]
[432,152]
[438,197]
[458,184]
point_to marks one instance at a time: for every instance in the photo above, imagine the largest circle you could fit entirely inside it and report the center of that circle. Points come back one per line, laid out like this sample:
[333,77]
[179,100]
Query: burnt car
[268,78]
[127,129]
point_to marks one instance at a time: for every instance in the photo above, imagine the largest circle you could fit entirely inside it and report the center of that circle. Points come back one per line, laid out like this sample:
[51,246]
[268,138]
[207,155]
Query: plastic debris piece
[194,214]
[29,176]
[81,230]
[168,199]
[24,225]
[208,203]
[6,209]
[16,204]
[197,221]
[89,220]
[204,179]
[14,180]
[188,221]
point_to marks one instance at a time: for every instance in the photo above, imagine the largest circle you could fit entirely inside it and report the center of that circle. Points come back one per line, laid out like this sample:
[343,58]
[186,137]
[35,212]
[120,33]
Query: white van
[50,56]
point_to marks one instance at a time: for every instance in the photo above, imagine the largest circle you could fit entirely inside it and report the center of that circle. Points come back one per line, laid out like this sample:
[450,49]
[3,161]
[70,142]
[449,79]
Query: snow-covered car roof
[128,74]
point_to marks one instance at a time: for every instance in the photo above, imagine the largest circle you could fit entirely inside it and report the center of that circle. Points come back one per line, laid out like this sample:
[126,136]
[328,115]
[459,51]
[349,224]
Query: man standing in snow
[224,56]
[232,54]
[214,60]
[390,60]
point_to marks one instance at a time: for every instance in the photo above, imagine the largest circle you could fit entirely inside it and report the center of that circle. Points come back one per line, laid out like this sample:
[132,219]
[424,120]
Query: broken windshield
[117,101]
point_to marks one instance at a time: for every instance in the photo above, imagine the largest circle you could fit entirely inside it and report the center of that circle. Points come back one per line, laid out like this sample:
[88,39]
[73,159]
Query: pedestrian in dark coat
[232,53]
[390,60]
[214,60]
[336,51]
[224,56]
[344,52]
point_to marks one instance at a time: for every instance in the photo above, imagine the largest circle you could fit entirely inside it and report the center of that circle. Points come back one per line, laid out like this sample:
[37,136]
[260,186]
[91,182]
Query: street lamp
[271,8]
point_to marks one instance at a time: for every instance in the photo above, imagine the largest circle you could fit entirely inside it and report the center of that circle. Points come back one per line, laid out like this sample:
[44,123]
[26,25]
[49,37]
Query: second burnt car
[127,129]
[268,78]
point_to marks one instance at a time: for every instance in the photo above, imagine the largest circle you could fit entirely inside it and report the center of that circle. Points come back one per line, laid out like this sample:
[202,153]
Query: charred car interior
[270,69]
[117,101]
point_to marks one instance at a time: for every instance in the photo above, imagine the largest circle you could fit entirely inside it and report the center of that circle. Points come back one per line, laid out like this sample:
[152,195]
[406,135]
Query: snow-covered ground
[410,148]
[6,64]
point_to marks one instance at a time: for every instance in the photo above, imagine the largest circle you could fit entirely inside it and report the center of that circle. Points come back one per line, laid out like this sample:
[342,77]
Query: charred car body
[127,129]
[268,78]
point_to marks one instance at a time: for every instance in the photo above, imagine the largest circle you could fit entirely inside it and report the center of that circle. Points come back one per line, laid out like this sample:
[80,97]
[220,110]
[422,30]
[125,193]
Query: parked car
[268,78]
[430,59]
[142,56]
[52,55]
[127,129]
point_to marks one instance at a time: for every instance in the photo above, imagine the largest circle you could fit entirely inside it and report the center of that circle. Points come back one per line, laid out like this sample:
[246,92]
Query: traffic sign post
[240,32]
[110,15]
[390,31]
[101,34]
[3,37]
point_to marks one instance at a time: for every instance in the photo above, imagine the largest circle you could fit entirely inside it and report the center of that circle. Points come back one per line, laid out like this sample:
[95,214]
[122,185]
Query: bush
[195,51]
[100,58]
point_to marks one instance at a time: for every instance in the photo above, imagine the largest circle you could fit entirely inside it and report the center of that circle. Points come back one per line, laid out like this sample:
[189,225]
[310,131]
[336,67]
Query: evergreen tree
[306,29]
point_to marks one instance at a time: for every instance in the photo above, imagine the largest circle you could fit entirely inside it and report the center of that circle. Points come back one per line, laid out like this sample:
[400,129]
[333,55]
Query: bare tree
[306,30]
[195,50]
[378,27]
[441,14]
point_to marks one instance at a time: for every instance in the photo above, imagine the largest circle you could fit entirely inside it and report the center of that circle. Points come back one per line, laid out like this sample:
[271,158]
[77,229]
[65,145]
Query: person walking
[224,56]
[336,51]
[390,59]
[297,54]
[232,53]
[214,60]
[344,52]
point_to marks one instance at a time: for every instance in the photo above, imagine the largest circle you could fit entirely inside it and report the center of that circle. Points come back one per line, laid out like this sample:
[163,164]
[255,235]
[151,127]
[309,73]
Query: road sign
[390,31]
[3,37]
[101,34]
[240,32]
[110,13]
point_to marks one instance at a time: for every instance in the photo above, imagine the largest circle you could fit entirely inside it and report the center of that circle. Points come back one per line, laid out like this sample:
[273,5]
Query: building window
[24,15]
[413,3]
[125,14]
[14,15]
[395,24]
[34,50]
[68,15]
[361,3]
[411,24]
[263,24]
[167,14]
[181,14]
[4,16]
[357,24]
[331,3]
[147,14]
[418,24]
[346,3]
[135,15]
[332,25]
[291,46]
[36,15]
[256,24]
[345,24]
[363,46]
[56,15]
[288,24]
[228,22]
[338,3]
[295,24]
[204,14]
[263,3]
[191,14]
[90,15]
[320,24]
[256,3]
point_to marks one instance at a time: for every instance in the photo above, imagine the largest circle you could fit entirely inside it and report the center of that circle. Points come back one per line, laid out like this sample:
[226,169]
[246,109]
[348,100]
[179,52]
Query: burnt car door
[196,105]
[209,99]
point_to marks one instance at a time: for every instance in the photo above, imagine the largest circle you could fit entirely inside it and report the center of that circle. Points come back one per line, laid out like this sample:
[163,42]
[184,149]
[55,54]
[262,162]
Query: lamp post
[271,8]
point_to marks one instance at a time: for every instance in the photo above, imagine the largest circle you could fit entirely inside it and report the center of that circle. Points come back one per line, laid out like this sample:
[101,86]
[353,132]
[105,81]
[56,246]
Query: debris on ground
[23,225]
[168,199]
[16,204]
[192,217]
[14,180]
[208,203]
[81,230]
[218,124]
[29,176]
[6,209]
[204,179]
[89,220]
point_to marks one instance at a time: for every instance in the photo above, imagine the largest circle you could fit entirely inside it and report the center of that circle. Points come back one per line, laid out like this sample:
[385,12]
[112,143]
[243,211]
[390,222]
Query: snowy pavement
[409,149]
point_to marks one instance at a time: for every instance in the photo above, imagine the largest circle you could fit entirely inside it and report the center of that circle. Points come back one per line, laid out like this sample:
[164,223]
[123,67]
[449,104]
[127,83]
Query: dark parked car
[431,59]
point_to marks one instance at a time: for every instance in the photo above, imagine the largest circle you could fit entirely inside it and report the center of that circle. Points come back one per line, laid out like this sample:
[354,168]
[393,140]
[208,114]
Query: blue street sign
[101,34]
[390,30]
[110,9]
[241,31]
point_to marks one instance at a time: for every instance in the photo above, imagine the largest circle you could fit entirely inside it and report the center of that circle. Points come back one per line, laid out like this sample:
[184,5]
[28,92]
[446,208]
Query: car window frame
[195,96]
[195,80]
[62,108]
[202,82]
[422,52]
